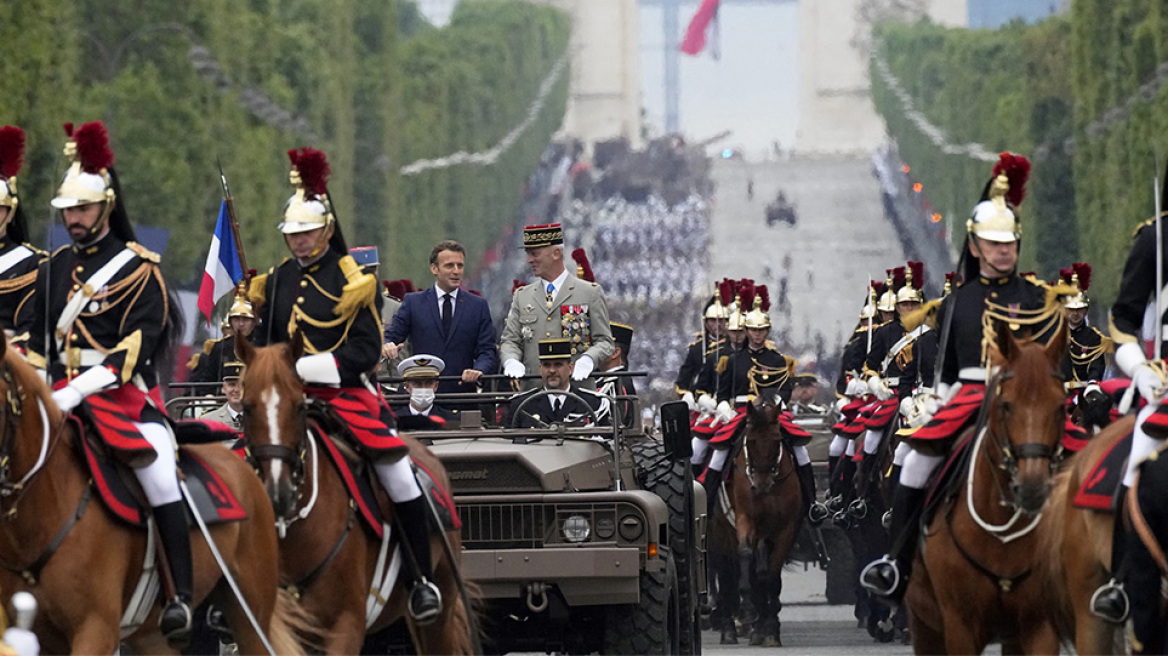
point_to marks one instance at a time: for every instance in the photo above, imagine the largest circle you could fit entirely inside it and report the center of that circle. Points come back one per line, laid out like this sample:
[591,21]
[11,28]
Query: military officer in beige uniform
[557,305]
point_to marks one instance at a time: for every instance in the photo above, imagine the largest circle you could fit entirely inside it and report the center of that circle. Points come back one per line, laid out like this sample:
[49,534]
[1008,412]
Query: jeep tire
[652,626]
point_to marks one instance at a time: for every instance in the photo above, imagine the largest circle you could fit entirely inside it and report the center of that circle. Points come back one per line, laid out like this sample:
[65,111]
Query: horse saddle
[119,490]
[367,493]
[947,481]
[1097,491]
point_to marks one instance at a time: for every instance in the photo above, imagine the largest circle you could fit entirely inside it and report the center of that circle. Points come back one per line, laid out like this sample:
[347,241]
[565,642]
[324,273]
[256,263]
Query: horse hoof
[772,641]
[884,636]
[729,638]
[756,639]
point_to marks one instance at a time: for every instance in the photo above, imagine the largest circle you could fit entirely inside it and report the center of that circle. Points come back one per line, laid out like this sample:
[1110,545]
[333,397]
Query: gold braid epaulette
[258,289]
[1049,315]
[360,290]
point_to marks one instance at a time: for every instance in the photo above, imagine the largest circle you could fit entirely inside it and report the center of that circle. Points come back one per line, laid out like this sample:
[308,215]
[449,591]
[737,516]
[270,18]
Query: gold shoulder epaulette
[193,362]
[927,313]
[258,289]
[771,345]
[210,344]
[722,362]
[1143,225]
[358,292]
[694,343]
[36,250]
[143,252]
[58,251]
[792,364]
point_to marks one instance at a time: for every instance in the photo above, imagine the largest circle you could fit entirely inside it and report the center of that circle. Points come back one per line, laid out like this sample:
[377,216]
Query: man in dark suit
[555,370]
[447,322]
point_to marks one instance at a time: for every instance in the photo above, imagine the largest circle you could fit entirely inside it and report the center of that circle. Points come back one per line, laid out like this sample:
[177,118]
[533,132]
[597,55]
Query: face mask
[422,397]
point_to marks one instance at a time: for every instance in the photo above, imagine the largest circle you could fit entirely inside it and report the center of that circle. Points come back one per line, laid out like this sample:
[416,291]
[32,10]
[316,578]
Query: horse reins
[773,479]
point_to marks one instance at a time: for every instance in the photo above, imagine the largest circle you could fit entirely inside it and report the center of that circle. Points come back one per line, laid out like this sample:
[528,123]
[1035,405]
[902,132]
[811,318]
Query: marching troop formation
[97,318]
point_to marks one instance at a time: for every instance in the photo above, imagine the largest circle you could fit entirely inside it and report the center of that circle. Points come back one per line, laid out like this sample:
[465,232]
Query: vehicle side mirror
[675,430]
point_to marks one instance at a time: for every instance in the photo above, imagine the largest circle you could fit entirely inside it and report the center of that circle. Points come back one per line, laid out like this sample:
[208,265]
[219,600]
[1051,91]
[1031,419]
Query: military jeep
[579,539]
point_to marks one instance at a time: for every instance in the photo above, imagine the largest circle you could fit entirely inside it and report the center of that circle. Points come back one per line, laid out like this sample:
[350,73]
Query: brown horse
[975,577]
[94,561]
[1076,543]
[325,554]
[768,503]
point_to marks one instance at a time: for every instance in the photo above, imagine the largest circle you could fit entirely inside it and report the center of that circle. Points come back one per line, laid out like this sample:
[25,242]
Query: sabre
[251,618]
[1159,261]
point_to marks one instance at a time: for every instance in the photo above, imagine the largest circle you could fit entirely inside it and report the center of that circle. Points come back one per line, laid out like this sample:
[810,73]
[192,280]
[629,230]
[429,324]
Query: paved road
[840,239]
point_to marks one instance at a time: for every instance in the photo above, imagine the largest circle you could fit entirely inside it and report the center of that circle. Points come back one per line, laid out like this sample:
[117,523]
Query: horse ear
[1007,345]
[1056,348]
[295,347]
[3,342]
[243,348]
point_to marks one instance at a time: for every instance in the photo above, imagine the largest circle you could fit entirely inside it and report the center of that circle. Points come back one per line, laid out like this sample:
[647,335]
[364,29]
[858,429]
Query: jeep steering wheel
[525,402]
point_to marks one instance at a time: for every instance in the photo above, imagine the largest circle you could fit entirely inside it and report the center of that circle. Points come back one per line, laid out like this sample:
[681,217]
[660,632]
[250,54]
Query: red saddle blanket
[879,415]
[112,480]
[362,484]
[1098,488]
[955,416]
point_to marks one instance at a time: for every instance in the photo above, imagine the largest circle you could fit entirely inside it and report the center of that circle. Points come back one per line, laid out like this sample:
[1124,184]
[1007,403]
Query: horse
[322,543]
[768,509]
[1077,544]
[974,574]
[82,563]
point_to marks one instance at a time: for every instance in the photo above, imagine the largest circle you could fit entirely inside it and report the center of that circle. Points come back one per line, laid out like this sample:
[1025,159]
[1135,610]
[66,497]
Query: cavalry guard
[322,295]
[18,260]
[1141,340]
[114,319]
[1085,361]
[693,378]
[611,386]
[241,320]
[992,291]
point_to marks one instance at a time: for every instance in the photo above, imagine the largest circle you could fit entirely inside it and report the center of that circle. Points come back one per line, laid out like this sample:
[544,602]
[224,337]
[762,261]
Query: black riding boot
[888,576]
[712,483]
[414,522]
[814,511]
[175,621]
[1110,601]
[832,474]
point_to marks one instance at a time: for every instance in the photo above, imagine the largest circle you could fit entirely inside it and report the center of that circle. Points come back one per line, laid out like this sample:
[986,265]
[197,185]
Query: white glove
[93,380]
[583,368]
[320,369]
[724,412]
[1131,361]
[856,387]
[688,399]
[22,641]
[706,404]
[879,388]
[514,368]
[840,403]
[906,405]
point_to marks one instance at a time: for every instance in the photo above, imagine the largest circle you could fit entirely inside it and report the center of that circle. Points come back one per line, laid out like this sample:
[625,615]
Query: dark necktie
[557,406]
[447,312]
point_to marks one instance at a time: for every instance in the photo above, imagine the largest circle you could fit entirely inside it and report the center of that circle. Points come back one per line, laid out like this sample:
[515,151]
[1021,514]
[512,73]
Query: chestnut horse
[768,507]
[94,560]
[1076,543]
[325,554]
[976,575]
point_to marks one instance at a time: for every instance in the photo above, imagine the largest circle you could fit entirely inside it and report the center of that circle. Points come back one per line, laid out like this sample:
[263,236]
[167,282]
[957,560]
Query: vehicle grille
[511,526]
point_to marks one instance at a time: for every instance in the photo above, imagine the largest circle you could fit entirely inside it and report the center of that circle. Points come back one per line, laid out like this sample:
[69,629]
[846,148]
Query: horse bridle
[772,471]
[1012,453]
[296,458]
[10,412]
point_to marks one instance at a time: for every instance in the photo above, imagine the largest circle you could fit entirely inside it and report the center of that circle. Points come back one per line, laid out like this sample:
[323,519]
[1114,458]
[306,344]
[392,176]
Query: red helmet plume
[897,278]
[313,167]
[1017,170]
[746,294]
[918,274]
[515,285]
[764,298]
[93,147]
[1083,270]
[581,260]
[726,292]
[12,142]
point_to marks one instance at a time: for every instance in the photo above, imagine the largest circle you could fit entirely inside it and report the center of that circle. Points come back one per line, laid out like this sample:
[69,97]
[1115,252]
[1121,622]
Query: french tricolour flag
[223,271]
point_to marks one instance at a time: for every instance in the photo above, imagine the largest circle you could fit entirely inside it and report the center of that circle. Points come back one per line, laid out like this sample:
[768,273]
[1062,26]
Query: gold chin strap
[322,242]
[97,226]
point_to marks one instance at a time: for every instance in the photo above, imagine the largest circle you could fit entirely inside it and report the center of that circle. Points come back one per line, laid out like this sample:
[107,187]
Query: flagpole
[234,223]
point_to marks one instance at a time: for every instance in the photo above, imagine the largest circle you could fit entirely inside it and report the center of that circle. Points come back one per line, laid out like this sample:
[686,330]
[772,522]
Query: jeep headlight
[576,528]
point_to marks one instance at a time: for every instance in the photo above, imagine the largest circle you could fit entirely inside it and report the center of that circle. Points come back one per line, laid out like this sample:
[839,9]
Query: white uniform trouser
[159,479]
[700,447]
[851,449]
[837,446]
[872,440]
[917,469]
[398,479]
[801,457]
[1142,444]
[902,451]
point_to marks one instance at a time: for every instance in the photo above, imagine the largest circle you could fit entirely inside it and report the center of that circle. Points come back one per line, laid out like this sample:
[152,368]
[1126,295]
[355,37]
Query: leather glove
[93,380]
[879,388]
[320,369]
[583,368]
[706,404]
[514,369]
[725,413]
[688,399]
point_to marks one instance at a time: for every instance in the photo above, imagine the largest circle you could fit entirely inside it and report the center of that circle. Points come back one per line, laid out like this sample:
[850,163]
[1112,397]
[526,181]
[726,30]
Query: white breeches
[398,479]
[872,441]
[1142,444]
[159,479]
[718,460]
[917,469]
[700,447]
[851,450]
[902,451]
[838,444]
[801,457]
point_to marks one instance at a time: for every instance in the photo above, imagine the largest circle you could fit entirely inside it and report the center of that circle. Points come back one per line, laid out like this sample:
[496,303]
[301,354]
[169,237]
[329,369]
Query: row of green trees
[1072,80]
[183,86]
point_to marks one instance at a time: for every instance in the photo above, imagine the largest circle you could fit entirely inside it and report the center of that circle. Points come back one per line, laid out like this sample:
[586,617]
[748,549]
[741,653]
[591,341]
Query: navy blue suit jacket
[471,343]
